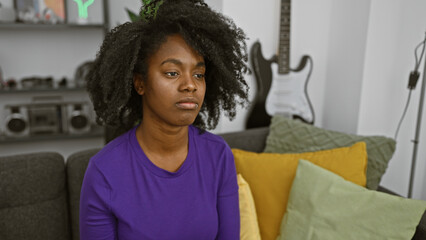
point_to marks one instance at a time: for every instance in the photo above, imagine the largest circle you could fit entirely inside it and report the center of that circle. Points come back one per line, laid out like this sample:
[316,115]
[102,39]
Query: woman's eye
[199,75]
[172,74]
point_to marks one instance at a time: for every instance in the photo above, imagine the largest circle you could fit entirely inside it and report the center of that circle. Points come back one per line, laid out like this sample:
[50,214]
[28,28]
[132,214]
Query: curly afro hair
[127,48]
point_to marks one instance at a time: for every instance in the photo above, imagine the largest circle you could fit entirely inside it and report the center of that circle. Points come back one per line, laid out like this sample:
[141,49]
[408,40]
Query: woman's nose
[188,83]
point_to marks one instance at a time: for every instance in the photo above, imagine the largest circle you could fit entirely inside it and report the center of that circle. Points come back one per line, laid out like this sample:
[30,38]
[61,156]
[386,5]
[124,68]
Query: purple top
[125,196]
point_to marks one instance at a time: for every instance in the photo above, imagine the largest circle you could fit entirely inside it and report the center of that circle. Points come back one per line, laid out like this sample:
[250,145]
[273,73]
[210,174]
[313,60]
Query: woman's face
[173,92]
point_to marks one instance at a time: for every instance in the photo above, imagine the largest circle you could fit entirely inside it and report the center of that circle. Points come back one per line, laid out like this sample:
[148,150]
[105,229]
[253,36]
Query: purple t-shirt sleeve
[96,221]
[227,202]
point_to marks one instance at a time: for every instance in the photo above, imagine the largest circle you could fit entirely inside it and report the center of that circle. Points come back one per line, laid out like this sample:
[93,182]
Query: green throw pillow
[288,135]
[322,205]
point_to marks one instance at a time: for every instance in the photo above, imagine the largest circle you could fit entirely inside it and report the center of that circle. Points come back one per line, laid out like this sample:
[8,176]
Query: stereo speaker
[78,118]
[16,124]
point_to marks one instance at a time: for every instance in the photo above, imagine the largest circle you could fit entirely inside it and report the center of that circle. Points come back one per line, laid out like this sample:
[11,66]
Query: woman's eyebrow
[172,60]
[200,64]
[178,62]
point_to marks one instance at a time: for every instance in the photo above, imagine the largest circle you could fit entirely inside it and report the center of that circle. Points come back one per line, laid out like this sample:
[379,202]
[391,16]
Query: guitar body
[284,94]
[258,117]
[288,94]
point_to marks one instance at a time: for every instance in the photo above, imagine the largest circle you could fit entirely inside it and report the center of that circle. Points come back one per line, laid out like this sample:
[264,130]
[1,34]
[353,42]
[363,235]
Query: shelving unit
[41,90]
[34,26]
[95,132]
[19,96]
[49,26]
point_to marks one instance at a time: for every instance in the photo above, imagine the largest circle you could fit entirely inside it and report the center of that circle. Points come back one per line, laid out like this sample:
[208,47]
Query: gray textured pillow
[287,135]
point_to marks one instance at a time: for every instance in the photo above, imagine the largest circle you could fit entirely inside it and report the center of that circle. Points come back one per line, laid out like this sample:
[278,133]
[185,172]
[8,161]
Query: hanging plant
[148,11]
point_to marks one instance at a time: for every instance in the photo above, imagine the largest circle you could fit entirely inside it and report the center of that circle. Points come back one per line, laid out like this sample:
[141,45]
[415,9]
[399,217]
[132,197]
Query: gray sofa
[39,193]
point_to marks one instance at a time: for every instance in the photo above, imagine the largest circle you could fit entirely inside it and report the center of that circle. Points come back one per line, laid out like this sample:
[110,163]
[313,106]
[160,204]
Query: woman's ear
[138,83]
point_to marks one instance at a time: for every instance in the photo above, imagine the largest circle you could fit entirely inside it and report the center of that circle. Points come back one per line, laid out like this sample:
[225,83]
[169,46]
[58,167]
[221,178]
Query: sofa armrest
[421,228]
[76,168]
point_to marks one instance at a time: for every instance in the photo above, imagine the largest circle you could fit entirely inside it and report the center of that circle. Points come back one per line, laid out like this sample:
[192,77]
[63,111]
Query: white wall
[345,63]
[395,29]
[118,14]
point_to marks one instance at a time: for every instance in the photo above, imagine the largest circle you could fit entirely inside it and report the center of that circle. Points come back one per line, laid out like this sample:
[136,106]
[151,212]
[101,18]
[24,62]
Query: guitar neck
[284,42]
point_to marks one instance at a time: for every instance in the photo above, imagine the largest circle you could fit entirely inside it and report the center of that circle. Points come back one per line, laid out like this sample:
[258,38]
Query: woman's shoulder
[210,140]
[207,136]
[114,150]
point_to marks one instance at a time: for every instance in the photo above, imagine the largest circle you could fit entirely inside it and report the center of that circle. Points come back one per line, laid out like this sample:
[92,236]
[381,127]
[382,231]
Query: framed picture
[40,11]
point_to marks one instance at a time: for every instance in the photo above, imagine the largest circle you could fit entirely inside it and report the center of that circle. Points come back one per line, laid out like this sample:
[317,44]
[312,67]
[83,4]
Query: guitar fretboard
[284,42]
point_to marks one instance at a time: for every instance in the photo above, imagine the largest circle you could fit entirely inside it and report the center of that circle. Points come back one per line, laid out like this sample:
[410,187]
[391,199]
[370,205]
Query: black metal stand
[417,136]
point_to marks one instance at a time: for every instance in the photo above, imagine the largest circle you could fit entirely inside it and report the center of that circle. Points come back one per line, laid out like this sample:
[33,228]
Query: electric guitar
[281,89]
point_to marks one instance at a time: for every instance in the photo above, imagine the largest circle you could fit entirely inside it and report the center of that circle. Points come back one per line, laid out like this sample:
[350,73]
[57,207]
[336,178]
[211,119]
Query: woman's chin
[181,120]
[185,122]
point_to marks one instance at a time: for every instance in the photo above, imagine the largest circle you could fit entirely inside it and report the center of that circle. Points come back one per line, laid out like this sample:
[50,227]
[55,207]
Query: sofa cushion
[288,135]
[76,167]
[33,202]
[249,223]
[322,205]
[270,176]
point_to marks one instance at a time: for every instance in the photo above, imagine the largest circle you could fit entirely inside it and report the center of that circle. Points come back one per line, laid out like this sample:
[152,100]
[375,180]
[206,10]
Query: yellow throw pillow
[270,176]
[249,226]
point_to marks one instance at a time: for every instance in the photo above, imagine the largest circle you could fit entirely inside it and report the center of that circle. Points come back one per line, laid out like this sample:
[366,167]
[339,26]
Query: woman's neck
[161,139]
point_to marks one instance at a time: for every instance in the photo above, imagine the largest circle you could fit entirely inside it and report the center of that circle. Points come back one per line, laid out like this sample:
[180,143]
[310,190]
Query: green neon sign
[82,7]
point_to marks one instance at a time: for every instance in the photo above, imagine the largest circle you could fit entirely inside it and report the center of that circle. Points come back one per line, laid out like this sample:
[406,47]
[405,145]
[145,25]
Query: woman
[165,79]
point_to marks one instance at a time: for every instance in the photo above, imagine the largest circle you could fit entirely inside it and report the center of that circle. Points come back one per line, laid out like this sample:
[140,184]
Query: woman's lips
[187,105]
